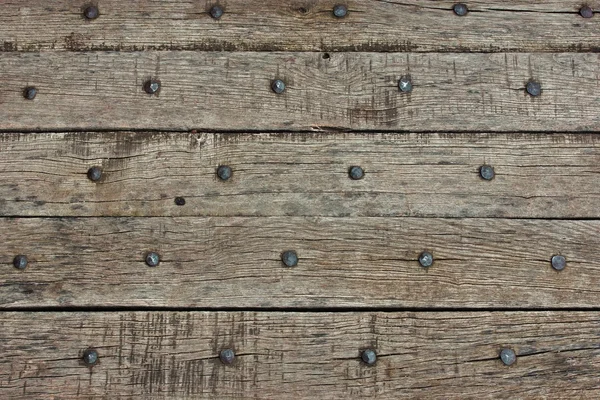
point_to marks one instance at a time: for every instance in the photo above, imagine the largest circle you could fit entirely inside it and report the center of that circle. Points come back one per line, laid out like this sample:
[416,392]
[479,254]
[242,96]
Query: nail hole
[180,201]
[303,10]
[326,56]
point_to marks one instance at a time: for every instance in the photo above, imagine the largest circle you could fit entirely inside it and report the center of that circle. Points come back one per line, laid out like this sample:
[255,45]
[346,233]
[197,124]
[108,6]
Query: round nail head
[508,356]
[180,201]
[559,262]
[534,88]
[487,172]
[405,84]
[216,12]
[224,172]
[369,357]
[289,258]
[278,86]
[586,12]
[227,356]
[152,86]
[94,174]
[340,11]
[90,357]
[20,262]
[460,9]
[91,12]
[426,259]
[30,92]
[356,173]
[152,259]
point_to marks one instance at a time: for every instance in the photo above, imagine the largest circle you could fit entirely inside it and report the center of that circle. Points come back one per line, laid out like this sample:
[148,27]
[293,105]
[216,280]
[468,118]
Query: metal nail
[152,86]
[20,262]
[227,356]
[534,88]
[487,172]
[180,201]
[289,258]
[90,357]
[356,173]
[152,259]
[340,11]
[216,12]
[405,84]
[508,356]
[559,262]
[30,92]
[94,174]
[369,357]
[278,86]
[224,172]
[460,9]
[586,12]
[426,259]
[91,12]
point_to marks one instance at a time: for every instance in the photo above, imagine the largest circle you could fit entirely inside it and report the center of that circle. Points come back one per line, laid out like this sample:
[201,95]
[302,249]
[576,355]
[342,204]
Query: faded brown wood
[231,91]
[344,262]
[425,175]
[167,355]
[423,25]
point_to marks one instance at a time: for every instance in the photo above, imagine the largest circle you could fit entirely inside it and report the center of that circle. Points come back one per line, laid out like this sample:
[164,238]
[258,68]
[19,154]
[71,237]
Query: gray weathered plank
[422,25]
[168,355]
[231,91]
[344,262]
[423,175]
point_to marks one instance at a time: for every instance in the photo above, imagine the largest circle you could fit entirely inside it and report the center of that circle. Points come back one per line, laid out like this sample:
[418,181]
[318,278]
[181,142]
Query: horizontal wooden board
[264,25]
[232,91]
[168,355]
[343,262]
[424,175]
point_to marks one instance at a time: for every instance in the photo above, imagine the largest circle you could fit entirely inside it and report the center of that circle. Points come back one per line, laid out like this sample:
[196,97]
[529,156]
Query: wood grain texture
[299,25]
[231,91]
[423,175]
[344,262]
[167,355]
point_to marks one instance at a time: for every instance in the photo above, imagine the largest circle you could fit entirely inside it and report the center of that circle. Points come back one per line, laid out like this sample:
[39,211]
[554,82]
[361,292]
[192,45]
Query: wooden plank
[422,25]
[162,355]
[343,262]
[423,175]
[231,91]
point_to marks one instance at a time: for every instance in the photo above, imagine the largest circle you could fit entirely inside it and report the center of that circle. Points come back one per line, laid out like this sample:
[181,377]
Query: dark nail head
[216,12]
[152,259]
[289,258]
[487,172]
[369,357]
[91,12]
[20,262]
[94,174]
[224,172]
[152,86]
[508,356]
[90,357]
[180,201]
[356,173]
[405,84]
[340,11]
[30,92]
[559,262]
[426,259]
[460,9]
[586,12]
[227,356]
[278,86]
[534,88]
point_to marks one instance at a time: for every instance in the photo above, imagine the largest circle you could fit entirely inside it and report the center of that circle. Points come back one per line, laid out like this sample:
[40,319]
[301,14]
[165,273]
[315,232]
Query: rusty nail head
[278,86]
[487,172]
[586,12]
[94,174]
[289,258]
[216,12]
[559,262]
[91,12]
[152,259]
[20,262]
[152,86]
[426,259]
[90,357]
[340,11]
[534,88]
[405,84]
[508,356]
[30,92]
[180,201]
[227,356]
[224,172]
[369,356]
[460,9]
[355,172]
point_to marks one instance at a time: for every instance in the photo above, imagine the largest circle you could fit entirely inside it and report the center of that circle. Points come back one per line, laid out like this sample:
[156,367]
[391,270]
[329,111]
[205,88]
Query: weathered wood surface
[423,25]
[425,175]
[231,91]
[300,355]
[344,262]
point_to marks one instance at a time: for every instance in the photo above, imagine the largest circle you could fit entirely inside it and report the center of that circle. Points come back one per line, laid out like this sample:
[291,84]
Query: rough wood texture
[422,25]
[429,175]
[300,355]
[231,91]
[344,262]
